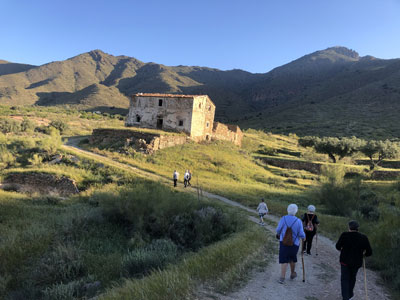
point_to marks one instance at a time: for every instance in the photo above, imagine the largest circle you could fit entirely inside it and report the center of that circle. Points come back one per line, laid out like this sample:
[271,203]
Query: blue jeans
[348,281]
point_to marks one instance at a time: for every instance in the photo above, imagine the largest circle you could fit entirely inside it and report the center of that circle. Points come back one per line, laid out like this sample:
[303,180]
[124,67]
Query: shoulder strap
[293,222]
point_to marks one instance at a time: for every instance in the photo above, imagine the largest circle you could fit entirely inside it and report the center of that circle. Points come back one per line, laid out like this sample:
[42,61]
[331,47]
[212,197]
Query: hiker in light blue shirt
[288,253]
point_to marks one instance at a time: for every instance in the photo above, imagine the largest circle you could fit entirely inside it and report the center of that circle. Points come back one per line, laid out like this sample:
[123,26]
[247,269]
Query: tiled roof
[170,96]
[166,95]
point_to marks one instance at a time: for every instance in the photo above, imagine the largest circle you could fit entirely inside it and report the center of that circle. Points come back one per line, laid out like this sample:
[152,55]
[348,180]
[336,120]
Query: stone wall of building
[140,141]
[192,114]
[202,118]
[227,132]
[148,111]
[42,183]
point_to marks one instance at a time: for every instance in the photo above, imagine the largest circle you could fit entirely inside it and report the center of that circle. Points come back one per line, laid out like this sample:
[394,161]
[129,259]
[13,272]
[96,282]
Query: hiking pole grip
[365,279]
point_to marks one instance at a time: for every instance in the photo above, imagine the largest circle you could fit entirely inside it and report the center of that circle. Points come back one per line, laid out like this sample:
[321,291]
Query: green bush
[157,212]
[200,228]
[385,240]
[77,289]
[337,195]
[158,254]
[59,125]
[51,144]
[62,264]
[9,126]
[27,125]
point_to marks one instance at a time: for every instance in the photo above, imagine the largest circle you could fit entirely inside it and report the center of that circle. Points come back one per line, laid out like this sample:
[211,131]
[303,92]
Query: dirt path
[322,280]
[322,271]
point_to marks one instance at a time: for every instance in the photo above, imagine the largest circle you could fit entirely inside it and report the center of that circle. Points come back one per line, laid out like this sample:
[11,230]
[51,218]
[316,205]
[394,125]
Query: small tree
[59,125]
[377,151]
[308,141]
[334,147]
[27,125]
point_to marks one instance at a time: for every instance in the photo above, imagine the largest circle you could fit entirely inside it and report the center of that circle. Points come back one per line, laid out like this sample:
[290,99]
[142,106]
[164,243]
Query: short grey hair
[292,209]
[311,208]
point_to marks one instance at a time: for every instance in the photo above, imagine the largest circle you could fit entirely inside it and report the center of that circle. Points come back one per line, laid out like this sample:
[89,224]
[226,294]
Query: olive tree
[377,151]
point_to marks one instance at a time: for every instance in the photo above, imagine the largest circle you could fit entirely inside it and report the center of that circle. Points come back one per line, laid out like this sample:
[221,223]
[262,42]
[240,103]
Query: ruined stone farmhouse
[192,114]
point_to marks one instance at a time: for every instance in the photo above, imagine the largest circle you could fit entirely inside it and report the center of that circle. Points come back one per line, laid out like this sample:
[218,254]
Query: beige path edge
[322,271]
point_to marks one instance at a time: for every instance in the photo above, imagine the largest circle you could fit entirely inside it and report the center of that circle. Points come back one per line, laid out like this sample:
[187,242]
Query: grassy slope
[35,228]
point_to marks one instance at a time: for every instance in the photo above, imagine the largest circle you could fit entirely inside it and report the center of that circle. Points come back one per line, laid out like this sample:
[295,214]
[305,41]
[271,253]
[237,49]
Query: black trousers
[348,281]
[175,180]
[308,242]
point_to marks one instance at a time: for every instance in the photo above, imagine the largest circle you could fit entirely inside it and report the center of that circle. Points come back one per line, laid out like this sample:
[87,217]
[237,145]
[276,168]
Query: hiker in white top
[175,176]
[186,178]
[262,210]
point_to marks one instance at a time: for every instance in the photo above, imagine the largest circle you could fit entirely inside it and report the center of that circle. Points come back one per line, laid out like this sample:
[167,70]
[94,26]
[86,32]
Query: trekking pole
[316,243]
[365,279]
[302,260]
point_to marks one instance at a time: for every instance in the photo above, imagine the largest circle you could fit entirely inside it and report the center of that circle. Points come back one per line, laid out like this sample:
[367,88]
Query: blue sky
[253,35]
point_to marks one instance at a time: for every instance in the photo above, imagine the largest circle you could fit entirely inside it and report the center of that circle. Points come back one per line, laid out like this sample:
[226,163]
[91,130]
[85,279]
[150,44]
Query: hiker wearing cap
[310,223]
[262,211]
[289,243]
[352,245]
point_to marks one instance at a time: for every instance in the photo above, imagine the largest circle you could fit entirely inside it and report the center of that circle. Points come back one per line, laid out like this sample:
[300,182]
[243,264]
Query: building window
[138,118]
[199,105]
[209,108]
[208,124]
[180,122]
[159,102]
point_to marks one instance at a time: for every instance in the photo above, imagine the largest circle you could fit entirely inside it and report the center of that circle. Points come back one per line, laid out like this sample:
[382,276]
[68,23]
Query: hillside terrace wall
[140,141]
[390,164]
[315,168]
[42,183]
[227,132]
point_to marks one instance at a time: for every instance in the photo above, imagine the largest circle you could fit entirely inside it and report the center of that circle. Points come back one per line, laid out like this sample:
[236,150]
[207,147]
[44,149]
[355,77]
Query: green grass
[221,262]
[52,248]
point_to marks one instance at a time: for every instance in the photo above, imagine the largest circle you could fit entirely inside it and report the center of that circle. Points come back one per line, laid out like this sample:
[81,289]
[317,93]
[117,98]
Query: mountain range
[329,92]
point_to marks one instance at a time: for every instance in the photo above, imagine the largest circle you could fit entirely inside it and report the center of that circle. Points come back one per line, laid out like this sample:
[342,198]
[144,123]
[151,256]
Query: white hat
[292,209]
[311,208]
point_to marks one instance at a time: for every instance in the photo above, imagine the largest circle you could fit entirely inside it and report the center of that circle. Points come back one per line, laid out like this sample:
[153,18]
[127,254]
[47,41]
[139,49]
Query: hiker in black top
[352,246]
[310,231]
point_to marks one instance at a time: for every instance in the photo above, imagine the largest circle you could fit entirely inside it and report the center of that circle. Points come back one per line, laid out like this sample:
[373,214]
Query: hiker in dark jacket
[352,246]
[310,223]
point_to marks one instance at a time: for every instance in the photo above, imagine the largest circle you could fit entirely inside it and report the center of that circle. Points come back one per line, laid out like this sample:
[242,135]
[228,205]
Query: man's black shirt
[352,246]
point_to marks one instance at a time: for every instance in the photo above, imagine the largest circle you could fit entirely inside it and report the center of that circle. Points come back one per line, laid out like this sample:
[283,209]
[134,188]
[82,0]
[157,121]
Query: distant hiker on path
[289,231]
[352,246]
[175,176]
[189,178]
[262,210]
[186,178]
[310,223]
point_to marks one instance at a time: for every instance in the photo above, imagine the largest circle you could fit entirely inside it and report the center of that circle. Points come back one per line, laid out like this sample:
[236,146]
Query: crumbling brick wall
[42,183]
[140,141]
[227,132]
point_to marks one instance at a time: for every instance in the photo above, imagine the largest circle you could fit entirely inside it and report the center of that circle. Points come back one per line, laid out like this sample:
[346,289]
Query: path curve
[322,270]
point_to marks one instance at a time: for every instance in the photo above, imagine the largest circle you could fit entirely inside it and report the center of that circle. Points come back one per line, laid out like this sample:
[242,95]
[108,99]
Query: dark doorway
[159,123]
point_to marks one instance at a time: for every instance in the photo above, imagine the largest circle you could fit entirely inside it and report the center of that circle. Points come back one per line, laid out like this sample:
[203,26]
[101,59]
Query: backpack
[288,237]
[309,226]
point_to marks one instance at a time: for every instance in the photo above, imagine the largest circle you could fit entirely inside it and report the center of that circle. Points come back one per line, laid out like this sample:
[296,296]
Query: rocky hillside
[328,92]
